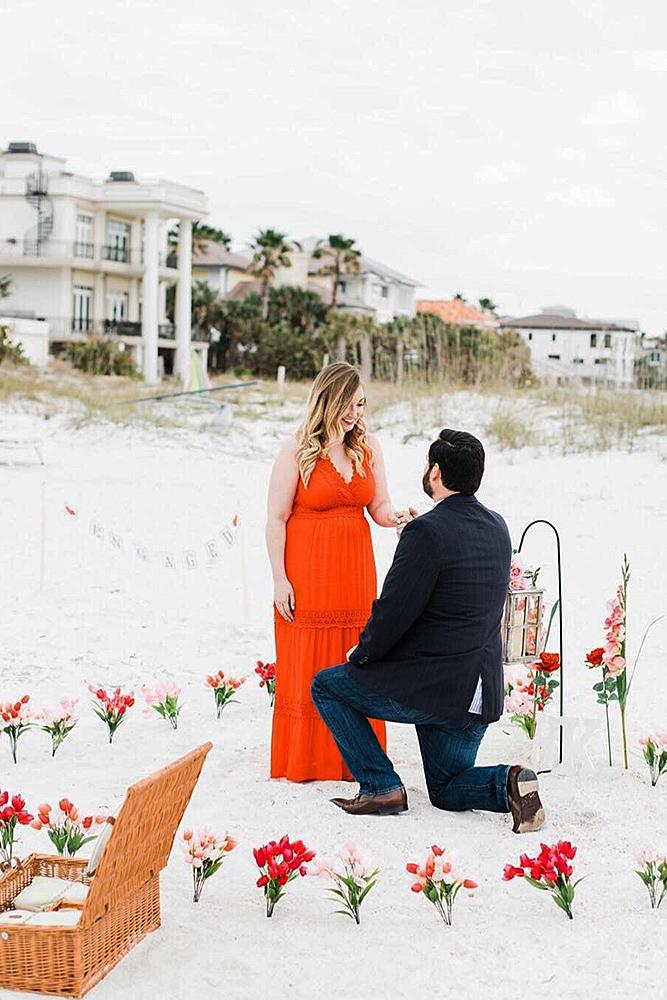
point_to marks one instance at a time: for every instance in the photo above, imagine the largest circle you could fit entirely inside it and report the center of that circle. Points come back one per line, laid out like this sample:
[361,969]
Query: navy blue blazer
[435,628]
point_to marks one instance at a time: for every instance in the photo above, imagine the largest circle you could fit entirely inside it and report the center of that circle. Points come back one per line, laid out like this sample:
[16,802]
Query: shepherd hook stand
[560,623]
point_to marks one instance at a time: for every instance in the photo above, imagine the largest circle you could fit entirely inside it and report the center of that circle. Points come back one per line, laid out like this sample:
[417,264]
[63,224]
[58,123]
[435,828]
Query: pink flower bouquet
[438,881]
[205,852]
[68,831]
[652,870]
[655,754]
[611,657]
[353,879]
[16,718]
[111,708]
[59,722]
[162,698]
[224,688]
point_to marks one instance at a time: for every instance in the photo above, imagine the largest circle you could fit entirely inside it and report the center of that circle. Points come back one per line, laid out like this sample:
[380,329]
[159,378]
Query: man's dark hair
[460,457]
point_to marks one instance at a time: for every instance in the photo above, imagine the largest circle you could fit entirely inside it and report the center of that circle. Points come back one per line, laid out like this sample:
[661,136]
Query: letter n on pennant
[116,541]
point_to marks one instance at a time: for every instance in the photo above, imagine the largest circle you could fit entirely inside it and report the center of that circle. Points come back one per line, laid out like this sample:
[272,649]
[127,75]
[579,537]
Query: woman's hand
[283,598]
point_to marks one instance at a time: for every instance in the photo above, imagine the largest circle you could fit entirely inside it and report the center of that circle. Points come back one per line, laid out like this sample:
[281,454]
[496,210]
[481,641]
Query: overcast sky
[495,148]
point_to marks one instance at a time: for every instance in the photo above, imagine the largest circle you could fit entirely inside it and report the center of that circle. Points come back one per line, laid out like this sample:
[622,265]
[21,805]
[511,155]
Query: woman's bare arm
[282,487]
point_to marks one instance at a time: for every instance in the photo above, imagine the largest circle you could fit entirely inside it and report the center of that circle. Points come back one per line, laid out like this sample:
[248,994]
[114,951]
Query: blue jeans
[448,747]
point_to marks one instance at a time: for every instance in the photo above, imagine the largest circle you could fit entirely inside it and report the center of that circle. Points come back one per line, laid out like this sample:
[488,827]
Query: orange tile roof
[458,313]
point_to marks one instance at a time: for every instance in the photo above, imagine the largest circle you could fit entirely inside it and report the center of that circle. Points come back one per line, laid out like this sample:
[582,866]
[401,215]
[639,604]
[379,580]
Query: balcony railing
[122,327]
[79,250]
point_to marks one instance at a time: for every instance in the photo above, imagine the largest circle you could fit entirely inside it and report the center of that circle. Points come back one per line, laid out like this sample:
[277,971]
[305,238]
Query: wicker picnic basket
[123,902]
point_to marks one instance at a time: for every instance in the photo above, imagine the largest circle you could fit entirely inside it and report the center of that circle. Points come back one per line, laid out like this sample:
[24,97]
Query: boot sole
[533,816]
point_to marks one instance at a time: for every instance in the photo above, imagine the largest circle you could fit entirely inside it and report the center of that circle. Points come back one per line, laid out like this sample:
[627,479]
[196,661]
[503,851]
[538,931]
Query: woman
[319,545]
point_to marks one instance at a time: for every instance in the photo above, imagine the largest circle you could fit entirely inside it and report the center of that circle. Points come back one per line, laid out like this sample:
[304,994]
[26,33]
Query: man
[431,655]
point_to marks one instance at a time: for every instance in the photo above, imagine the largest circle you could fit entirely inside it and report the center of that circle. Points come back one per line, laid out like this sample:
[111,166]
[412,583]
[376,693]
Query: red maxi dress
[329,562]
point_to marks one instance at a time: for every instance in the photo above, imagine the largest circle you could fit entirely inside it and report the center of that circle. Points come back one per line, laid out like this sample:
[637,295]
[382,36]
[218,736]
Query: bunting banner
[202,556]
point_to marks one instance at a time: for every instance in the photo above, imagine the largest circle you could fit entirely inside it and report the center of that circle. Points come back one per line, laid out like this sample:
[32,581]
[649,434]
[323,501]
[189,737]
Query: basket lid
[143,834]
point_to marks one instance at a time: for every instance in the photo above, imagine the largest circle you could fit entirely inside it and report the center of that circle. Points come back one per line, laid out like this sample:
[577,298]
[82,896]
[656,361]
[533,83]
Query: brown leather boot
[524,799]
[390,804]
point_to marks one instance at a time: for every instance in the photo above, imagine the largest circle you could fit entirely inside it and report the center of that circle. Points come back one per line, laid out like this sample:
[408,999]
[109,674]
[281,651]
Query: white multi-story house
[564,347]
[375,290]
[89,255]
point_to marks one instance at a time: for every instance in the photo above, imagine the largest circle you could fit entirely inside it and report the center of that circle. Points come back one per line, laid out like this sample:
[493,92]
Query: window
[553,337]
[385,291]
[601,361]
[607,340]
[342,287]
[577,361]
[594,340]
[118,240]
[83,245]
[82,309]
[530,336]
[117,302]
[554,357]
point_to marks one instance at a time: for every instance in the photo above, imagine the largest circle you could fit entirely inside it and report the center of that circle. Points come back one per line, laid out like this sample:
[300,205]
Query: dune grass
[572,419]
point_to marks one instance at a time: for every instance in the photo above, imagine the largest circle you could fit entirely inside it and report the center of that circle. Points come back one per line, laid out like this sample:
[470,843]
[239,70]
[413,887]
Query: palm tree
[270,250]
[201,235]
[459,297]
[342,258]
[5,285]
[487,305]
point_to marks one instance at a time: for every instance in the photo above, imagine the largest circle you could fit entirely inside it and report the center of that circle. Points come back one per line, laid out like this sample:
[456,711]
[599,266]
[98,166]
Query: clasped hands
[404,517]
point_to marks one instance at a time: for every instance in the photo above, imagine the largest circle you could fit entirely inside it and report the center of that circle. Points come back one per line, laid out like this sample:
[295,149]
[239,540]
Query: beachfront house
[220,268]
[375,290]
[456,312]
[90,255]
[564,347]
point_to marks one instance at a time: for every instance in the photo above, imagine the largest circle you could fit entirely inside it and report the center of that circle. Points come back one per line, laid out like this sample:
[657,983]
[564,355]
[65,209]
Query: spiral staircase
[37,195]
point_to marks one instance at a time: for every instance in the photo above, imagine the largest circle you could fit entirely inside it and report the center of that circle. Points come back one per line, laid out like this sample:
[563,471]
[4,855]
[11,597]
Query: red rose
[549,662]
[594,658]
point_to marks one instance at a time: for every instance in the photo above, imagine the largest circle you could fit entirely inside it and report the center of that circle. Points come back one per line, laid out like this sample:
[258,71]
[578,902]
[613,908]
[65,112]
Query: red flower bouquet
[267,679]
[13,813]
[280,863]
[551,871]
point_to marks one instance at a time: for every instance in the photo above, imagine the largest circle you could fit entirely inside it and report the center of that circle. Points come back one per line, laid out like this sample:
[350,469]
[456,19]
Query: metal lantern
[522,625]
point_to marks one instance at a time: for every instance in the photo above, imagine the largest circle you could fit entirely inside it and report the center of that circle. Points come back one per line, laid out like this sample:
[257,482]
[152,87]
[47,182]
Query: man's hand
[405,516]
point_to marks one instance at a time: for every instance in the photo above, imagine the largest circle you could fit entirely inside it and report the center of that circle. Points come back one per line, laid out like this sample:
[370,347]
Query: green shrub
[9,351]
[98,355]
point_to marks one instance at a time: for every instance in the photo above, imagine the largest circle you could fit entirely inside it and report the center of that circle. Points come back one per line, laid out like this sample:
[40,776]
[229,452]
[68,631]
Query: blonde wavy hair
[330,396]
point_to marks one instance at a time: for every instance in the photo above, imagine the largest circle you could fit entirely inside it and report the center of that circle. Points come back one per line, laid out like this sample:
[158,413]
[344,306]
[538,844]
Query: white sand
[105,618]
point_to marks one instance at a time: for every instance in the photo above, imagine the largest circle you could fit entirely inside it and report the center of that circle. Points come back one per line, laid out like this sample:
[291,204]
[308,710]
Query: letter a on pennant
[168,560]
